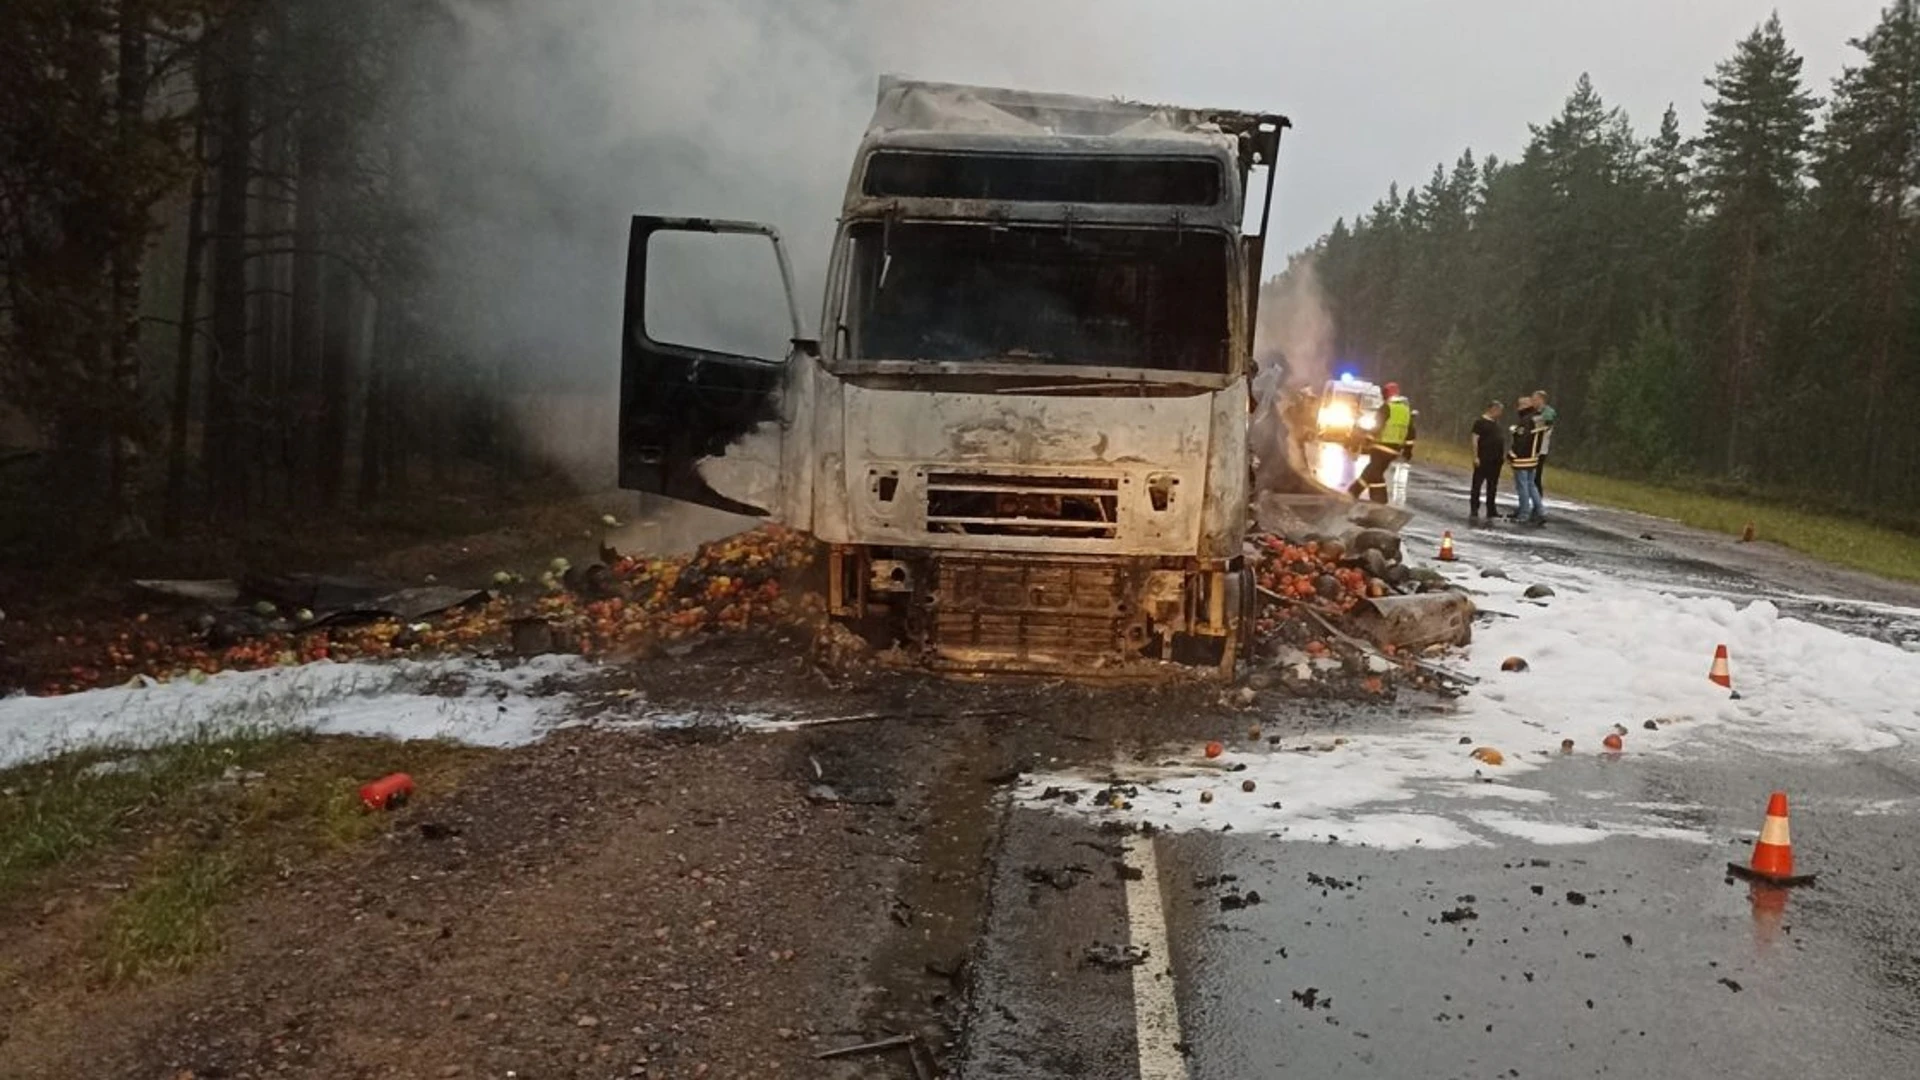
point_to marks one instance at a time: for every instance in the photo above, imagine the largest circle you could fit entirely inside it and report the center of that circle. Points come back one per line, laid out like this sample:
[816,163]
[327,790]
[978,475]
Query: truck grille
[1027,614]
[1001,504]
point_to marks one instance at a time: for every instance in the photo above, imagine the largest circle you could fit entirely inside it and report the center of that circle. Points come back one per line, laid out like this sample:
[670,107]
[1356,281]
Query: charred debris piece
[1346,616]
[1113,957]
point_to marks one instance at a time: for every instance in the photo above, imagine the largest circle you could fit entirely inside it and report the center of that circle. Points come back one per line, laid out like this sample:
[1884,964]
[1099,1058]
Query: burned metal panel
[1223,519]
[1040,614]
[1038,471]
[695,424]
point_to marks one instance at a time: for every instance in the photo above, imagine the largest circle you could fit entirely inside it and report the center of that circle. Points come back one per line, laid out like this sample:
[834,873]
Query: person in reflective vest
[1392,438]
[1523,456]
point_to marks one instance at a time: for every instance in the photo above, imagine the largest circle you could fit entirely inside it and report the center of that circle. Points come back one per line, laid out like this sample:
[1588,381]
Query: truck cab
[1021,433]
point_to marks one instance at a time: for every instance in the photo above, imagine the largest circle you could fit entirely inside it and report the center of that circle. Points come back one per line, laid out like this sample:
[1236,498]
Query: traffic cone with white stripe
[1446,546]
[1720,674]
[1772,861]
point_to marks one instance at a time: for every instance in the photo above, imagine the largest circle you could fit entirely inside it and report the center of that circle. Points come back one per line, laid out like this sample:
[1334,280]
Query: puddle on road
[1387,791]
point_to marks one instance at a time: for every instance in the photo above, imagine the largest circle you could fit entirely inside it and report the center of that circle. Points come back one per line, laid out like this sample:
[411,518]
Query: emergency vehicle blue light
[1346,376]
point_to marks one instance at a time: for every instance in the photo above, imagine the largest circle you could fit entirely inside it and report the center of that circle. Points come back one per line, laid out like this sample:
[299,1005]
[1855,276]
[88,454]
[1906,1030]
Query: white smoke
[547,123]
[1293,345]
[1296,328]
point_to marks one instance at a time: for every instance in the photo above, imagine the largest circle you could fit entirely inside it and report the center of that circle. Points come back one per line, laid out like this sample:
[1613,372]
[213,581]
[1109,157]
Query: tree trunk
[303,373]
[270,435]
[401,378]
[188,338]
[375,431]
[1740,330]
[1892,275]
[266,431]
[129,263]
[225,456]
[336,380]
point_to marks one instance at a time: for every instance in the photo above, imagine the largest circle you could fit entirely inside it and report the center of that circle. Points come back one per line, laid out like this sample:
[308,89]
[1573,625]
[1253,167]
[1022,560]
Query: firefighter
[1523,458]
[1392,438]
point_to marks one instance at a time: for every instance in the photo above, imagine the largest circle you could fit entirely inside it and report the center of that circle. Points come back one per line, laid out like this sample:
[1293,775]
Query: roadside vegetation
[1831,537]
[172,833]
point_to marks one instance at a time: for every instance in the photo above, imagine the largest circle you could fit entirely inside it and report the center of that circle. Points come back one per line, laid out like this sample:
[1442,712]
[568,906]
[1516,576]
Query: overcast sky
[1378,90]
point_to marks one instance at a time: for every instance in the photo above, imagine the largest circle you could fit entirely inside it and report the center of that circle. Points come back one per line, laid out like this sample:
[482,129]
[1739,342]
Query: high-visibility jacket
[1524,453]
[1396,424]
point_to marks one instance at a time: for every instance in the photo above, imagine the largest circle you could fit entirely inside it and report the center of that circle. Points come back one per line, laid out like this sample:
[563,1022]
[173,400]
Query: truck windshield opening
[1152,299]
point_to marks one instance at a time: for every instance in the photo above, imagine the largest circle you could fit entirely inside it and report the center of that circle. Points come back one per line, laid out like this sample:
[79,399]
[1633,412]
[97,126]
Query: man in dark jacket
[1489,453]
[1523,454]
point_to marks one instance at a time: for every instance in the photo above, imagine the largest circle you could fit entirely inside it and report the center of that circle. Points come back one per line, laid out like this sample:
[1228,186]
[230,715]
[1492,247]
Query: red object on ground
[1613,741]
[387,792]
[1720,673]
[1446,547]
[1214,749]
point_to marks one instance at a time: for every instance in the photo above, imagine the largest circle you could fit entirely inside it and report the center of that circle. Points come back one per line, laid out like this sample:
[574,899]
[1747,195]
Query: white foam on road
[478,702]
[1600,652]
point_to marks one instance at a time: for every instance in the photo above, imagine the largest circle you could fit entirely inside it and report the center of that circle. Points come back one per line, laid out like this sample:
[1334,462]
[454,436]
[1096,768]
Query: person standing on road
[1523,454]
[1489,453]
[1393,438]
[1546,418]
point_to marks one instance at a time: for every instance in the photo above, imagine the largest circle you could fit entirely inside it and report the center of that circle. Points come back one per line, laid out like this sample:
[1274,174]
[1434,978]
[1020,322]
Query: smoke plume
[1293,349]
[544,124]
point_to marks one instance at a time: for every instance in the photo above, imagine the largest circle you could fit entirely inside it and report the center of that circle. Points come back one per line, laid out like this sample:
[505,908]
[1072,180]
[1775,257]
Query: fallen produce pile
[621,605]
[1345,616]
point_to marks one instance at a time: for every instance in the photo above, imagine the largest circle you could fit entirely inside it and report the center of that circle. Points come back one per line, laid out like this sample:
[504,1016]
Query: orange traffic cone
[1720,673]
[1446,547]
[1773,851]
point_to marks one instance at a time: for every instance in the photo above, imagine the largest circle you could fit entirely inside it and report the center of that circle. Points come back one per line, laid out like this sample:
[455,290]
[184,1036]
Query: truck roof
[906,110]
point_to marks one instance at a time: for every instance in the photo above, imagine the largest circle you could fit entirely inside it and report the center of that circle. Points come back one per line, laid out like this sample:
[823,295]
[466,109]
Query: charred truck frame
[1023,433]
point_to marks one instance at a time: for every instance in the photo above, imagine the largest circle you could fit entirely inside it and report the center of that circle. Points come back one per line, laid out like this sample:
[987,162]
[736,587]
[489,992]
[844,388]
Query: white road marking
[1156,1013]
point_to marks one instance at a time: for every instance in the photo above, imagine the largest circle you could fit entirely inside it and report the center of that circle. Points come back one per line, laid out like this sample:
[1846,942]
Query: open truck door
[704,361]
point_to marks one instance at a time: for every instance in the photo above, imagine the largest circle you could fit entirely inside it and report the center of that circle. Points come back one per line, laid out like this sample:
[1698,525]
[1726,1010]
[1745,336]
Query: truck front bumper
[1055,615]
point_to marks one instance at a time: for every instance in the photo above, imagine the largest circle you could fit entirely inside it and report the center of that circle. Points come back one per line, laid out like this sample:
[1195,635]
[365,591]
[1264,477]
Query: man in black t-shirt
[1489,453]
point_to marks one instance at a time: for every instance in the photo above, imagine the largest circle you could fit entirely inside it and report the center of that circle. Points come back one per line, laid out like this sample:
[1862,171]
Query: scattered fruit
[732,584]
[1612,741]
[1214,749]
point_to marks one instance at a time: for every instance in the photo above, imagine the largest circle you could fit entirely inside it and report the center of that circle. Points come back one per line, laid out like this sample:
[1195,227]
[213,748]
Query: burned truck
[1022,432]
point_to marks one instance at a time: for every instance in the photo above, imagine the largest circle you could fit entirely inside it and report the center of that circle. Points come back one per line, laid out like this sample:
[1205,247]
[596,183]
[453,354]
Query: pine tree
[1869,165]
[1639,397]
[1668,158]
[1750,162]
[1577,189]
[1460,383]
[1664,247]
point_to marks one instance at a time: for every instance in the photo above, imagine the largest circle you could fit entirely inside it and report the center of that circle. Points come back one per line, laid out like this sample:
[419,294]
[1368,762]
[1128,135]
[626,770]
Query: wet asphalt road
[1625,957]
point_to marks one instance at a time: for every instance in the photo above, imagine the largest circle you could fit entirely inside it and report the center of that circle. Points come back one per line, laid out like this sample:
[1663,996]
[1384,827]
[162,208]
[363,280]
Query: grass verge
[202,818]
[166,923]
[56,811]
[1834,539]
